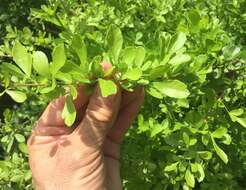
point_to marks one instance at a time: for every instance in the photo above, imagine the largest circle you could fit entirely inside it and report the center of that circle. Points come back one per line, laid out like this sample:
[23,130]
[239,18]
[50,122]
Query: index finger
[52,114]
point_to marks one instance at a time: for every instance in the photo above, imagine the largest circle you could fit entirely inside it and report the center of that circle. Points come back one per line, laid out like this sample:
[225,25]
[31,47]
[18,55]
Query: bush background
[170,136]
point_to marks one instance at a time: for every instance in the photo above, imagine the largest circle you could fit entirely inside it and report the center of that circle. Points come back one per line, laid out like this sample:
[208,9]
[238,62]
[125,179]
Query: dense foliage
[189,55]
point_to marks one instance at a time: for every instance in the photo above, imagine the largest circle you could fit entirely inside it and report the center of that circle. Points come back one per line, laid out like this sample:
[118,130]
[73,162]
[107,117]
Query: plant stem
[225,107]
[5,56]
[29,85]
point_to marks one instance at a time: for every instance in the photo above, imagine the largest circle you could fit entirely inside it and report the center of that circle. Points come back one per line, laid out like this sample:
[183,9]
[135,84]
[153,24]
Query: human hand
[85,157]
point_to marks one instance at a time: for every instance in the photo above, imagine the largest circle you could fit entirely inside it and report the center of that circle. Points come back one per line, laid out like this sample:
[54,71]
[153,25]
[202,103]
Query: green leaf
[242,121]
[28,175]
[233,115]
[5,139]
[194,17]
[206,155]
[140,55]
[114,42]
[183,103]
[58,58]
[69,111]
[171,167]
[172,88]
[189,178]
[158,128]
[66,77]
[146,65]
[205,139]
[230,52]
[107,87]
[179,59]
[236,112]
[12,69]
[96,67]
[16,178]
[155,93]
[40,63]
[186,138]
[20,138]
[194,167]
[17,96]
[5,165]
[133,56]
[48,89]
[73,69]
[201,172]
[143,82]
[227,139]
[10,144]
[220,132]
[128,56]
[157,72]
[193,141]
[219,151]
[133,74]
[177,42]
[73,92]
[79,47]
[22,58]
[2,93]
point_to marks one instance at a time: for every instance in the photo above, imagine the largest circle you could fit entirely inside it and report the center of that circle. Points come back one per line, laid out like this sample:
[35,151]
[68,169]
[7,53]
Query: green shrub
[189,55]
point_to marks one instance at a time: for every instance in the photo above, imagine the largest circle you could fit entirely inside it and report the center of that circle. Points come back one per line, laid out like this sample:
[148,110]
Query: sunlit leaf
[177,42]
[107,87]
[133,74]
[242,121]
[22,58]
[17,96]
[172,88]
[171,167]
[69,111]
[20,138]
[179,59]
[114,42]
[189,178]
[237,112]
[220,132]
[40,63]
[201,173]
[140,55]
[220,152]
[79,47]
[58,59]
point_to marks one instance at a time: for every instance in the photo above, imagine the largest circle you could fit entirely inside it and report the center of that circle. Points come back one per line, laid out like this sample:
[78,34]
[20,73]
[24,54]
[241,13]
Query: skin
[85,156]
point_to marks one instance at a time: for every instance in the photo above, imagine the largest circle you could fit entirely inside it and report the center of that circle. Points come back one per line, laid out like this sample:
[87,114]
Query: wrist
[52,186]
[113,174]
[111,149]
[62,186]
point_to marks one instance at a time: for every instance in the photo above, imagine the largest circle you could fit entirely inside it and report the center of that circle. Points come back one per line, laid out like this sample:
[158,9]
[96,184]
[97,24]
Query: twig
[29,85]
[5,56]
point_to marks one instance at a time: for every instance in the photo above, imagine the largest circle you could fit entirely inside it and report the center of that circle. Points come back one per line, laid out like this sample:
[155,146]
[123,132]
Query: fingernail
[106,66]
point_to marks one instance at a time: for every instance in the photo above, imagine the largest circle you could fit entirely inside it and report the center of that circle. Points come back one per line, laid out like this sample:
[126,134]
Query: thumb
[99,117]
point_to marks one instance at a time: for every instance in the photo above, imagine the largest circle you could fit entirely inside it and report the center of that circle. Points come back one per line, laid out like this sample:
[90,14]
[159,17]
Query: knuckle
[100,112]
[99,116]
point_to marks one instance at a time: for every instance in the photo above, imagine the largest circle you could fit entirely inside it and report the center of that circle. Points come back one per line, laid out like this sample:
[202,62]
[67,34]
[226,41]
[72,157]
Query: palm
[92,147]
